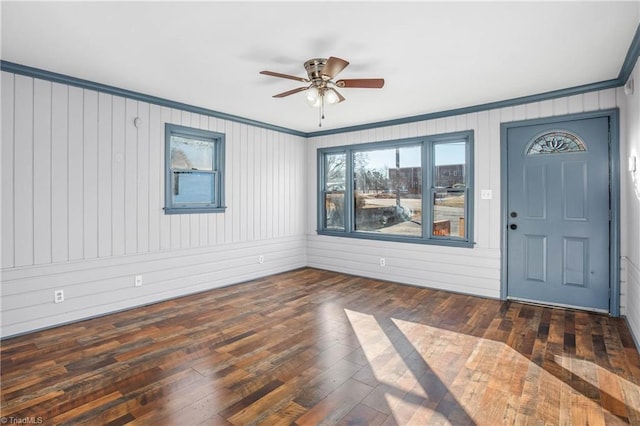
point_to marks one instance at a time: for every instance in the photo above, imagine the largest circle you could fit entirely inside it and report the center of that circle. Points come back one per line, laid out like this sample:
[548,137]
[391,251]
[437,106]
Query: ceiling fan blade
[333,67]
[365,83]
[340,97]
[290,77]
[290,92]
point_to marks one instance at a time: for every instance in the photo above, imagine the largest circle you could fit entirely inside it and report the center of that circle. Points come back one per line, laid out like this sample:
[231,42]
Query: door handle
[513,226]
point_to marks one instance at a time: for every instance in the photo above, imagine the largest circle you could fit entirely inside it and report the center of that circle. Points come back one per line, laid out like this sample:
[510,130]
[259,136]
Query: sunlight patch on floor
[405,397]
[429,373]
[613,387]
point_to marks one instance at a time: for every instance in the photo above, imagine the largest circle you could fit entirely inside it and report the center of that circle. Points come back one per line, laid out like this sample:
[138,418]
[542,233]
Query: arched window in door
[556,142]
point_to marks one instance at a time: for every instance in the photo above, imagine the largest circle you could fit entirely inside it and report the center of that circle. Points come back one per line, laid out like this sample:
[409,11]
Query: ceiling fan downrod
[321,110]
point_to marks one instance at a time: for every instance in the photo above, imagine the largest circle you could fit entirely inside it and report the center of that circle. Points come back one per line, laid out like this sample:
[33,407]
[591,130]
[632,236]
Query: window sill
[400,239]
[191,210]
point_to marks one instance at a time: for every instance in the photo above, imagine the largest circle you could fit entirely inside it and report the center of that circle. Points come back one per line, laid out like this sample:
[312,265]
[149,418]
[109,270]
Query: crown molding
[630,60]
[116,91]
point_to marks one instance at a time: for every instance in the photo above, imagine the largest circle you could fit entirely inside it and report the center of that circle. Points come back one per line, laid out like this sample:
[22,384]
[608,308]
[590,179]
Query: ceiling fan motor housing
[314,69]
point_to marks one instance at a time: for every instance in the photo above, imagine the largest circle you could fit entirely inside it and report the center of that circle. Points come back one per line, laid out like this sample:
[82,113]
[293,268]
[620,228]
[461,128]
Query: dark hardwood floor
[314,347]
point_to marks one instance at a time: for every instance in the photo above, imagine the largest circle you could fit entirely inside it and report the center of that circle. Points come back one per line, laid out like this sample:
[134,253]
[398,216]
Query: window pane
[335,166]
[192,187]
[449,192]
[388,191]
[449,161]
[334,211]
[190,154]
[448,213]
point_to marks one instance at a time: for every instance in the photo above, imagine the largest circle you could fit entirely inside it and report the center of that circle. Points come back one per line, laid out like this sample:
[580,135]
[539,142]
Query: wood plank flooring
[314,347]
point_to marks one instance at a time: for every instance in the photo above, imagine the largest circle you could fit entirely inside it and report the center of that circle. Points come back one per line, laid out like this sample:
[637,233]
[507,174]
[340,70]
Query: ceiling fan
[322,87]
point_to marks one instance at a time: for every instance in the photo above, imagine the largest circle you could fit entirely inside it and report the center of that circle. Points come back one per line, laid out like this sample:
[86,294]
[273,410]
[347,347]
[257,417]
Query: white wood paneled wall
[630,194]
[473,271]
[82,198]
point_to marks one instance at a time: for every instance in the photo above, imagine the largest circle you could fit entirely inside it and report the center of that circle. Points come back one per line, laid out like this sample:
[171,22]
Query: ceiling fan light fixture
[313,97]
[332,97]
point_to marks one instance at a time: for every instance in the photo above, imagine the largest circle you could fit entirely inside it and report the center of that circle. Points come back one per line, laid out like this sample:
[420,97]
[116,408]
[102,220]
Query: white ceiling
[434,56]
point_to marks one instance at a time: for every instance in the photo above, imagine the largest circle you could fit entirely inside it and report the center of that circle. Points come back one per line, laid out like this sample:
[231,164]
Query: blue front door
[558,213]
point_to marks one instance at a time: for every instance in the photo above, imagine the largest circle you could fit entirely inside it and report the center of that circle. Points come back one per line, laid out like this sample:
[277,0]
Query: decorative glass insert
[556,142]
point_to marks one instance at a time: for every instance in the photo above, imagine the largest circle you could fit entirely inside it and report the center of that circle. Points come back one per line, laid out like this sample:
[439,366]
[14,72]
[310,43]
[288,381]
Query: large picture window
[415,190]
[194,179]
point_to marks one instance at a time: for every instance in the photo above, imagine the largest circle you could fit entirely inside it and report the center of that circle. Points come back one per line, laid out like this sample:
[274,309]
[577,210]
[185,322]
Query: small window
[194,179]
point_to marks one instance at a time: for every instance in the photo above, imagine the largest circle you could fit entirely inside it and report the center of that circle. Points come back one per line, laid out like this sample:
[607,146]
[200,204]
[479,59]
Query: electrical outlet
[261,259]
[58,296]
[486,194]
[138,281]
[383,262]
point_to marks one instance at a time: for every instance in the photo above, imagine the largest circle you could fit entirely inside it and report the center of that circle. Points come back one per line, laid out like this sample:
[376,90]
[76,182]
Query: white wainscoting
[632,287]
[416,264]
[104,285]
